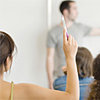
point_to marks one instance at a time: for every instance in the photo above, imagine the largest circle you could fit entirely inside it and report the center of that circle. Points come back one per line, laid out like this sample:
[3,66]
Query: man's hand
[95,31]
[51,85]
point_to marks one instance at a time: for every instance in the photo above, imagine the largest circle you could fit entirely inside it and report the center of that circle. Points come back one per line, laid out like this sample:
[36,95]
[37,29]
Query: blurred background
[28,22]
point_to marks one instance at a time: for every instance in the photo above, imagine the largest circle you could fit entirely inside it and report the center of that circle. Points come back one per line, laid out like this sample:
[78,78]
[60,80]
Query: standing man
[55,39]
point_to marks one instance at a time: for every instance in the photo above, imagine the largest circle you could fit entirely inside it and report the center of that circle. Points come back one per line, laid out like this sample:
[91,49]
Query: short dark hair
[65,5]
[84,61]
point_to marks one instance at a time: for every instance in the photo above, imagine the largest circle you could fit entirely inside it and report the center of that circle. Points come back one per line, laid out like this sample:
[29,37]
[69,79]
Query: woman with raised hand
[11,91]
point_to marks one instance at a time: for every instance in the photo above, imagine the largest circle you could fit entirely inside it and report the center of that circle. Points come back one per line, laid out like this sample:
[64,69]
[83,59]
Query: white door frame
[49,13]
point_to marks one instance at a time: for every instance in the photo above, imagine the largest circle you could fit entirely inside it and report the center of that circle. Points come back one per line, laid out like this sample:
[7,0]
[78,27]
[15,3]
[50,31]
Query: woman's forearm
[72,78]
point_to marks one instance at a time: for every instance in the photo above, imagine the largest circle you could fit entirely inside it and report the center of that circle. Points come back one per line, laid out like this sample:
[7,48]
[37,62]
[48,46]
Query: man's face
[72,13]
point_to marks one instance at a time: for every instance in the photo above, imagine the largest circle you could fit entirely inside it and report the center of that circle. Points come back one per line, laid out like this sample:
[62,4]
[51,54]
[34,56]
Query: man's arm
[50,65]
[95,31]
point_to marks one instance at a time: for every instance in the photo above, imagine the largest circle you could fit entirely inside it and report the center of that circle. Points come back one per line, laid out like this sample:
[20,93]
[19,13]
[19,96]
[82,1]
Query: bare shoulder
[31,91]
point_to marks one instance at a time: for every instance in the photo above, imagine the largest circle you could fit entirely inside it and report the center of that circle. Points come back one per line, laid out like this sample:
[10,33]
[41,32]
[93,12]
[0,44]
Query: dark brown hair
[65,5]
[7,46]
[95,86]
[84,61]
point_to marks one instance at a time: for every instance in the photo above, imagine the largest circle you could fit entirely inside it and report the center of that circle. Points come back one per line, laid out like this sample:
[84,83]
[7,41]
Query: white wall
[26,21]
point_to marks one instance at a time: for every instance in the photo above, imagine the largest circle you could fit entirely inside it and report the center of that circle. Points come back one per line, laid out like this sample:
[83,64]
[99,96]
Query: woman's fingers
[76,44]
[69,45]
[64,37]
[73,41]
[70,39]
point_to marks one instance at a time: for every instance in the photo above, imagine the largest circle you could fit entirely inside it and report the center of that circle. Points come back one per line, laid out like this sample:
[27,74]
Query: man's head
[69,9]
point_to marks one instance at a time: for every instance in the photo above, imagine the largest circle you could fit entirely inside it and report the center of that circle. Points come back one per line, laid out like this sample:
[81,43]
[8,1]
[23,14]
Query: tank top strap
[12,86]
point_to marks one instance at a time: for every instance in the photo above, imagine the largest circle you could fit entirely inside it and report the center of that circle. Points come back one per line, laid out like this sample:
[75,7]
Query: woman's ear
[8,63]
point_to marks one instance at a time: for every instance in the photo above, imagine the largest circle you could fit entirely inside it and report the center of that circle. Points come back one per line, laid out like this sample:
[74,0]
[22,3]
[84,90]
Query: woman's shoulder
[25,90]
[24,86]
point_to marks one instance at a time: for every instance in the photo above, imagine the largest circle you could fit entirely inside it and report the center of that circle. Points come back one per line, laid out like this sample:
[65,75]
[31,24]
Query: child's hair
[84,61]
[95,86]
[7,46]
